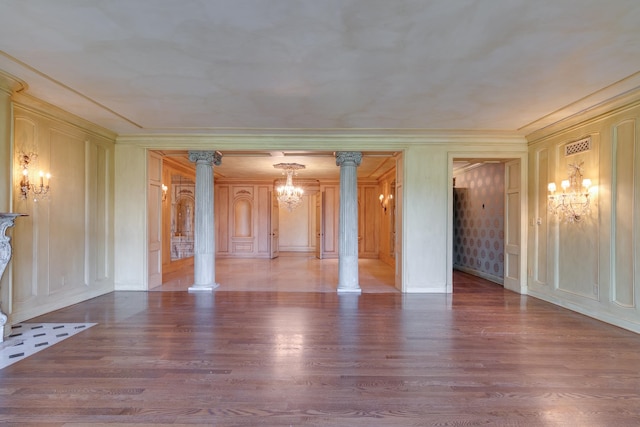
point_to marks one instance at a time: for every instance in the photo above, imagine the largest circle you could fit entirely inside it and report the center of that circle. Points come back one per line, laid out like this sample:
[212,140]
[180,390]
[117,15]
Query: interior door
[274,225]
[512,245]
[397,235]
[319,225]
[154,206]
[398,231]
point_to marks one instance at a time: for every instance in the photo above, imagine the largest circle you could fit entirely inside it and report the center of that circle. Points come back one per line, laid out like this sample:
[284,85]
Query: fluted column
[348,229]
[204,259]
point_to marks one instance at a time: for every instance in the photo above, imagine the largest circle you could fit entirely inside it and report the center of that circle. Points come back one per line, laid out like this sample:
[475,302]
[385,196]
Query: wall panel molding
[624,224]
[64,249]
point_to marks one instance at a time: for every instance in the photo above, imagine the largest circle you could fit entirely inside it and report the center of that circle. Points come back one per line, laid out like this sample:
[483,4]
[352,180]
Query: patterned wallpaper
[478,221]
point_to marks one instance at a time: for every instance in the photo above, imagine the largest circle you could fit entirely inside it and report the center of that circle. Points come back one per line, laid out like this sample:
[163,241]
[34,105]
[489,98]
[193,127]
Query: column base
[349,290]
[3,323]
[203,288]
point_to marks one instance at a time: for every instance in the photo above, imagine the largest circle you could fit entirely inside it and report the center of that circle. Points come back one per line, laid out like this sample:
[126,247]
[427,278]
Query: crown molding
[617,97]
[11,84]
[318,139]
[37,106]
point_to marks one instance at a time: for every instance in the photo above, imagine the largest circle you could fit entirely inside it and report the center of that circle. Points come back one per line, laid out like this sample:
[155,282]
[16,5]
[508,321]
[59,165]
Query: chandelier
[573,204]
[289,196]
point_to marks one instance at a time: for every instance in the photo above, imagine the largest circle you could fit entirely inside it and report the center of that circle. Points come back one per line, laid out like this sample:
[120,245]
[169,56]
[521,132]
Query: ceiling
[306,66]
[318,165]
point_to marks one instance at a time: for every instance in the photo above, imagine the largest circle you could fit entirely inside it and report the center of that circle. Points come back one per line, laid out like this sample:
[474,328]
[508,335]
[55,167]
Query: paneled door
[274,225]
[398,232]
[154,203]
[512,243]
[319,225]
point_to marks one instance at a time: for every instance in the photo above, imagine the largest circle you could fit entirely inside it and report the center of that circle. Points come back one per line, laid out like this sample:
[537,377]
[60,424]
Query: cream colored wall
[63,251]
[590,266]
[426,197]
[130,218]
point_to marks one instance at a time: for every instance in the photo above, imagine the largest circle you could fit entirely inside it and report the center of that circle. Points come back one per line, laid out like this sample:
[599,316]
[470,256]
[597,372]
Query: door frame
[502,155]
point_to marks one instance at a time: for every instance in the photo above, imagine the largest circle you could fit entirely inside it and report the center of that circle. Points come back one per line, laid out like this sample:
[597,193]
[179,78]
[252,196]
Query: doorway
[245,174]
[487,224]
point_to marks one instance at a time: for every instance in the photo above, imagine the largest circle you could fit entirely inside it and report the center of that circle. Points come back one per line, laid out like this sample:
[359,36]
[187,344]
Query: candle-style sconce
[38,190]
[384,201]
[164,192]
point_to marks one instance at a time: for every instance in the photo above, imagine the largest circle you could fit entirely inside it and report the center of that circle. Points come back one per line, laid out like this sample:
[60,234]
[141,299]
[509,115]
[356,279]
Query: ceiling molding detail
[326,141]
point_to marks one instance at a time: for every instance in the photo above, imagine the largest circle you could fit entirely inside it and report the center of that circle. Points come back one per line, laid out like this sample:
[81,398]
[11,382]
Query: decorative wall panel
[63,251]
[66,235]
[24,244]
[369,211]
[98,179]
[221,193]
[623,215]
[386,248]
[478,234]
[263,218]
[331,213]
[242,216]
[578,243]
[540,221]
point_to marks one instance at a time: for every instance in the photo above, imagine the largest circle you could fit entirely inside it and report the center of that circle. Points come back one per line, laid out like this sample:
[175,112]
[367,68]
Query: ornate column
[204,259]
[348,230]
[6,221]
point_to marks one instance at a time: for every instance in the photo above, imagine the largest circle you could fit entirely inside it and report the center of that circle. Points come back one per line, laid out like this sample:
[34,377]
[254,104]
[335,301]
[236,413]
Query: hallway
[290,272]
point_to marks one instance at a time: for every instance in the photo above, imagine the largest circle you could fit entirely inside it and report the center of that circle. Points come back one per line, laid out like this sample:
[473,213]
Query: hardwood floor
[290,272]
[481,356]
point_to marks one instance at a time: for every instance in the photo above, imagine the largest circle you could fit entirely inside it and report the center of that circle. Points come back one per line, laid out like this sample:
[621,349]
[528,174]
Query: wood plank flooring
[290,272]
[480,357]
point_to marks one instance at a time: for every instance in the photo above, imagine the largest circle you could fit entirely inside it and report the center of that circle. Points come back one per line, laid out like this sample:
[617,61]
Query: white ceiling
[198,66]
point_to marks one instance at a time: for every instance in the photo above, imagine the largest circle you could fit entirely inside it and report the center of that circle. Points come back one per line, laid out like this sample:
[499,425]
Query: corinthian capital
[348,157]
[208,157]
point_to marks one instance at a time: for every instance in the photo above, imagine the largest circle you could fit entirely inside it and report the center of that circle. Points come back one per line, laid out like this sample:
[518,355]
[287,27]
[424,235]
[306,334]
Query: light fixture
[164,192]
[289,195]
[39,190]
[573,203]
[384,201]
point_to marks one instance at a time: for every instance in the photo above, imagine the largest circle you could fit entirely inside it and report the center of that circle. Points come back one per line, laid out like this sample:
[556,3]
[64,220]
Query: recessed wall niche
[182,217]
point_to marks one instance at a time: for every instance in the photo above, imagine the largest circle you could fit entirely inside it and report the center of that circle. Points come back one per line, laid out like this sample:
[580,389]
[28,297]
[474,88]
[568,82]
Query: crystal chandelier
[289,195]
[573,204]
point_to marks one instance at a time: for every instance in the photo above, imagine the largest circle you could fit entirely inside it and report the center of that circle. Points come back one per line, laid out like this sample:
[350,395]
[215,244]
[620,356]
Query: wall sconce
[39,190]
[384,201]
[164,192]
[573,204]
